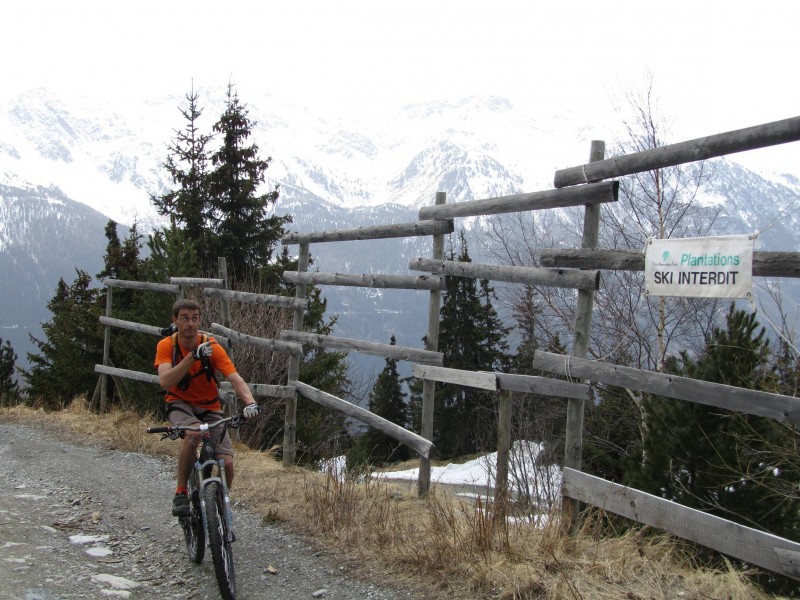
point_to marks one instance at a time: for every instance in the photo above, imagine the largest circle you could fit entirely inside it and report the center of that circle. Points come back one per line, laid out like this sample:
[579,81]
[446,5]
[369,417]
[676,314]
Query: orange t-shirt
[201,391]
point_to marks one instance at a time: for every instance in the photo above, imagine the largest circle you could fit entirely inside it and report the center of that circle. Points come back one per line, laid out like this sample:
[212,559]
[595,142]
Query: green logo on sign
[665,256]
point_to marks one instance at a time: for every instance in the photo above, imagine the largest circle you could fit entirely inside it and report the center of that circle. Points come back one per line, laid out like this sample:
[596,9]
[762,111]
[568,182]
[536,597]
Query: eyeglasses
[189,319]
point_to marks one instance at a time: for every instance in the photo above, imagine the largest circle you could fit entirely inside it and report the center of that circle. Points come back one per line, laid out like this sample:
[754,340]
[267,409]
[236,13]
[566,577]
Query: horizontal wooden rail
[403,282]
[528,384]
[753,402]
[142,285]
[261,299]
[438,227]
[205,282]
[263,389]
[740,140]
[150,329]
[561,278]
[269,344]
[376,349]
[606,191]
[750,545]
[765,264]
[260,389]
[127,374]
[409,438]
[480,380]
[544,386]
[130,326]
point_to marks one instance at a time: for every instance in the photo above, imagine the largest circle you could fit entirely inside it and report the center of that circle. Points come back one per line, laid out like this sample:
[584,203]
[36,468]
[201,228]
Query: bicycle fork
[221,479]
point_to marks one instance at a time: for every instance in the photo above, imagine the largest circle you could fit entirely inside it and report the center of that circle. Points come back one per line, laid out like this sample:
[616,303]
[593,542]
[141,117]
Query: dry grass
[451,547]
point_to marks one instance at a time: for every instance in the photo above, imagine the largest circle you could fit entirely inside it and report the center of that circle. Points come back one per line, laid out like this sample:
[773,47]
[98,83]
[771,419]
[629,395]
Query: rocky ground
[80,521]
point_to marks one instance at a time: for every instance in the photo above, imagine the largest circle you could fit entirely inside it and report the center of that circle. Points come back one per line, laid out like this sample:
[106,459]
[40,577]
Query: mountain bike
[210,519]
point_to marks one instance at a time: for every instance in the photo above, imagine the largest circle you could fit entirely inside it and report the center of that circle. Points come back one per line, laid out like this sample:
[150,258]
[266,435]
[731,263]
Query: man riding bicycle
[187,363]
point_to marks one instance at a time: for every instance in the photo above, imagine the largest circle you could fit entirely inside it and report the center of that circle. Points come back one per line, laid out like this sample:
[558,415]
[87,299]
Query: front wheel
[193,533]
[219,540]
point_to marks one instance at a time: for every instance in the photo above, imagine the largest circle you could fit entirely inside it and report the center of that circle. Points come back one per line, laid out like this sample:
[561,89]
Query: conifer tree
[64,366]
[242,228]
[9,388]
[712,459]
[471,337]
[386,400]
[188,205]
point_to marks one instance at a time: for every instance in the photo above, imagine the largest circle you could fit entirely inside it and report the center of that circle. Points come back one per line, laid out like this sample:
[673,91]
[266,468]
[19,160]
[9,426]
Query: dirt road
[79,521]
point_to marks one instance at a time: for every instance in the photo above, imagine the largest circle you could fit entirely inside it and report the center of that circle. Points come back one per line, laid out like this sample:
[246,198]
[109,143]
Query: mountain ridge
[333,174]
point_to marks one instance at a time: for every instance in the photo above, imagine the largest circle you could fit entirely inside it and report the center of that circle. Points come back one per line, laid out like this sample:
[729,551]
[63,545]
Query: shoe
[180,506]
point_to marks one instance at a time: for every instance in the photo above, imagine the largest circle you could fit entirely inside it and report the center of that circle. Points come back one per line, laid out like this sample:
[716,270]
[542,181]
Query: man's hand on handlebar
[250,411]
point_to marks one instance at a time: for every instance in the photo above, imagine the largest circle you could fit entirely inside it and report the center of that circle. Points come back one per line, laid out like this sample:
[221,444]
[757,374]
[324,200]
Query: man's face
[188,322]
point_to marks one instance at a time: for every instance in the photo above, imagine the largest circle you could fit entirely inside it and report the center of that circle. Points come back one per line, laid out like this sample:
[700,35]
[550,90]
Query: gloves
[250,411]
[202,351]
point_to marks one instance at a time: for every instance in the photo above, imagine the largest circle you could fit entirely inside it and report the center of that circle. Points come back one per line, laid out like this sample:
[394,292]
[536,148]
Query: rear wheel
[193,533]
[219,540]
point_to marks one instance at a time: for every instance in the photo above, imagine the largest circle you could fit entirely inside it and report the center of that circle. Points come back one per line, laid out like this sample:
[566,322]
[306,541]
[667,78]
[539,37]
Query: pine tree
[188,205]
[9,388]
[64,366]
[471,337]
[712,459]
[240,223]
[386,400]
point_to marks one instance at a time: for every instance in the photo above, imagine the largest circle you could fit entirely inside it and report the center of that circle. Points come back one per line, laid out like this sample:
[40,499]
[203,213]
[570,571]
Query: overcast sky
[717,65]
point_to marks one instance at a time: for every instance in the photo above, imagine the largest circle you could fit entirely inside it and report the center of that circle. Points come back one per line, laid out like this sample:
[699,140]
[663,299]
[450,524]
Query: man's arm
[169,376]
[241,389]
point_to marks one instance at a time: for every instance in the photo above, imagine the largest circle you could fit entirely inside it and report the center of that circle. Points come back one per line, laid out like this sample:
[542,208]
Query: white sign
[710,267]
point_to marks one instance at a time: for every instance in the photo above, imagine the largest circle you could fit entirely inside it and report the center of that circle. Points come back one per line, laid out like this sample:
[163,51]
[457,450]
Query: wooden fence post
[573,440]
[290,419]
[501,492]
[106,355]
[222,273]
[432,344]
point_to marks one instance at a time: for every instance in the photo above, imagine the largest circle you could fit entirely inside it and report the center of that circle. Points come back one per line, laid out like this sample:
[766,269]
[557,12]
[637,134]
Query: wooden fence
[577,269]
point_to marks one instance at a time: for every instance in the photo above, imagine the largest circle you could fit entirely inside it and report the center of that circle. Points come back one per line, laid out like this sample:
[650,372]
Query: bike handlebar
[235,421]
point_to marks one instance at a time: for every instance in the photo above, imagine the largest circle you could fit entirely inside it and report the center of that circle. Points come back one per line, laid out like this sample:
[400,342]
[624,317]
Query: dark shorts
[181,413]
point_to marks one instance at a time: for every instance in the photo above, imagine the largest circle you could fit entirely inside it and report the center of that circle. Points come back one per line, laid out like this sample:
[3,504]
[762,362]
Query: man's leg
[186,457]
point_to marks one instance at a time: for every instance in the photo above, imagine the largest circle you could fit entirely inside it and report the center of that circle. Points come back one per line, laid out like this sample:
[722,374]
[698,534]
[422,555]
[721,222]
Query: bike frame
[203,481]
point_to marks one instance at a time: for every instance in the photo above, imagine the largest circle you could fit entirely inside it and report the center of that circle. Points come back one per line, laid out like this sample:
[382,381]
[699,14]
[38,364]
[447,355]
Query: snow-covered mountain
[76,158]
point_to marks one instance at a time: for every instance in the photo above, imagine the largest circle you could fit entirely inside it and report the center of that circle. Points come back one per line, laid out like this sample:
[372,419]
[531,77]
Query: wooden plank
[260,299]
[130,326]
[151,329]
[142,285]
[405,282]
[290,414]
[572,279]
[260,389]
[504,410]
[755,402]
[585,194]
[127,374]
[573,433]
[431,342]
[263,389]
[740,140]
[373,348]
[419,228]
[269,344]
[750,545]
[484,381]
[765,264]
[544,386]
[202,281]
[409,438]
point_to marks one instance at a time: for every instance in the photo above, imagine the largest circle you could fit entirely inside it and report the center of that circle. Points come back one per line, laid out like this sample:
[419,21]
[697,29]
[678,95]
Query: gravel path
[79,521]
